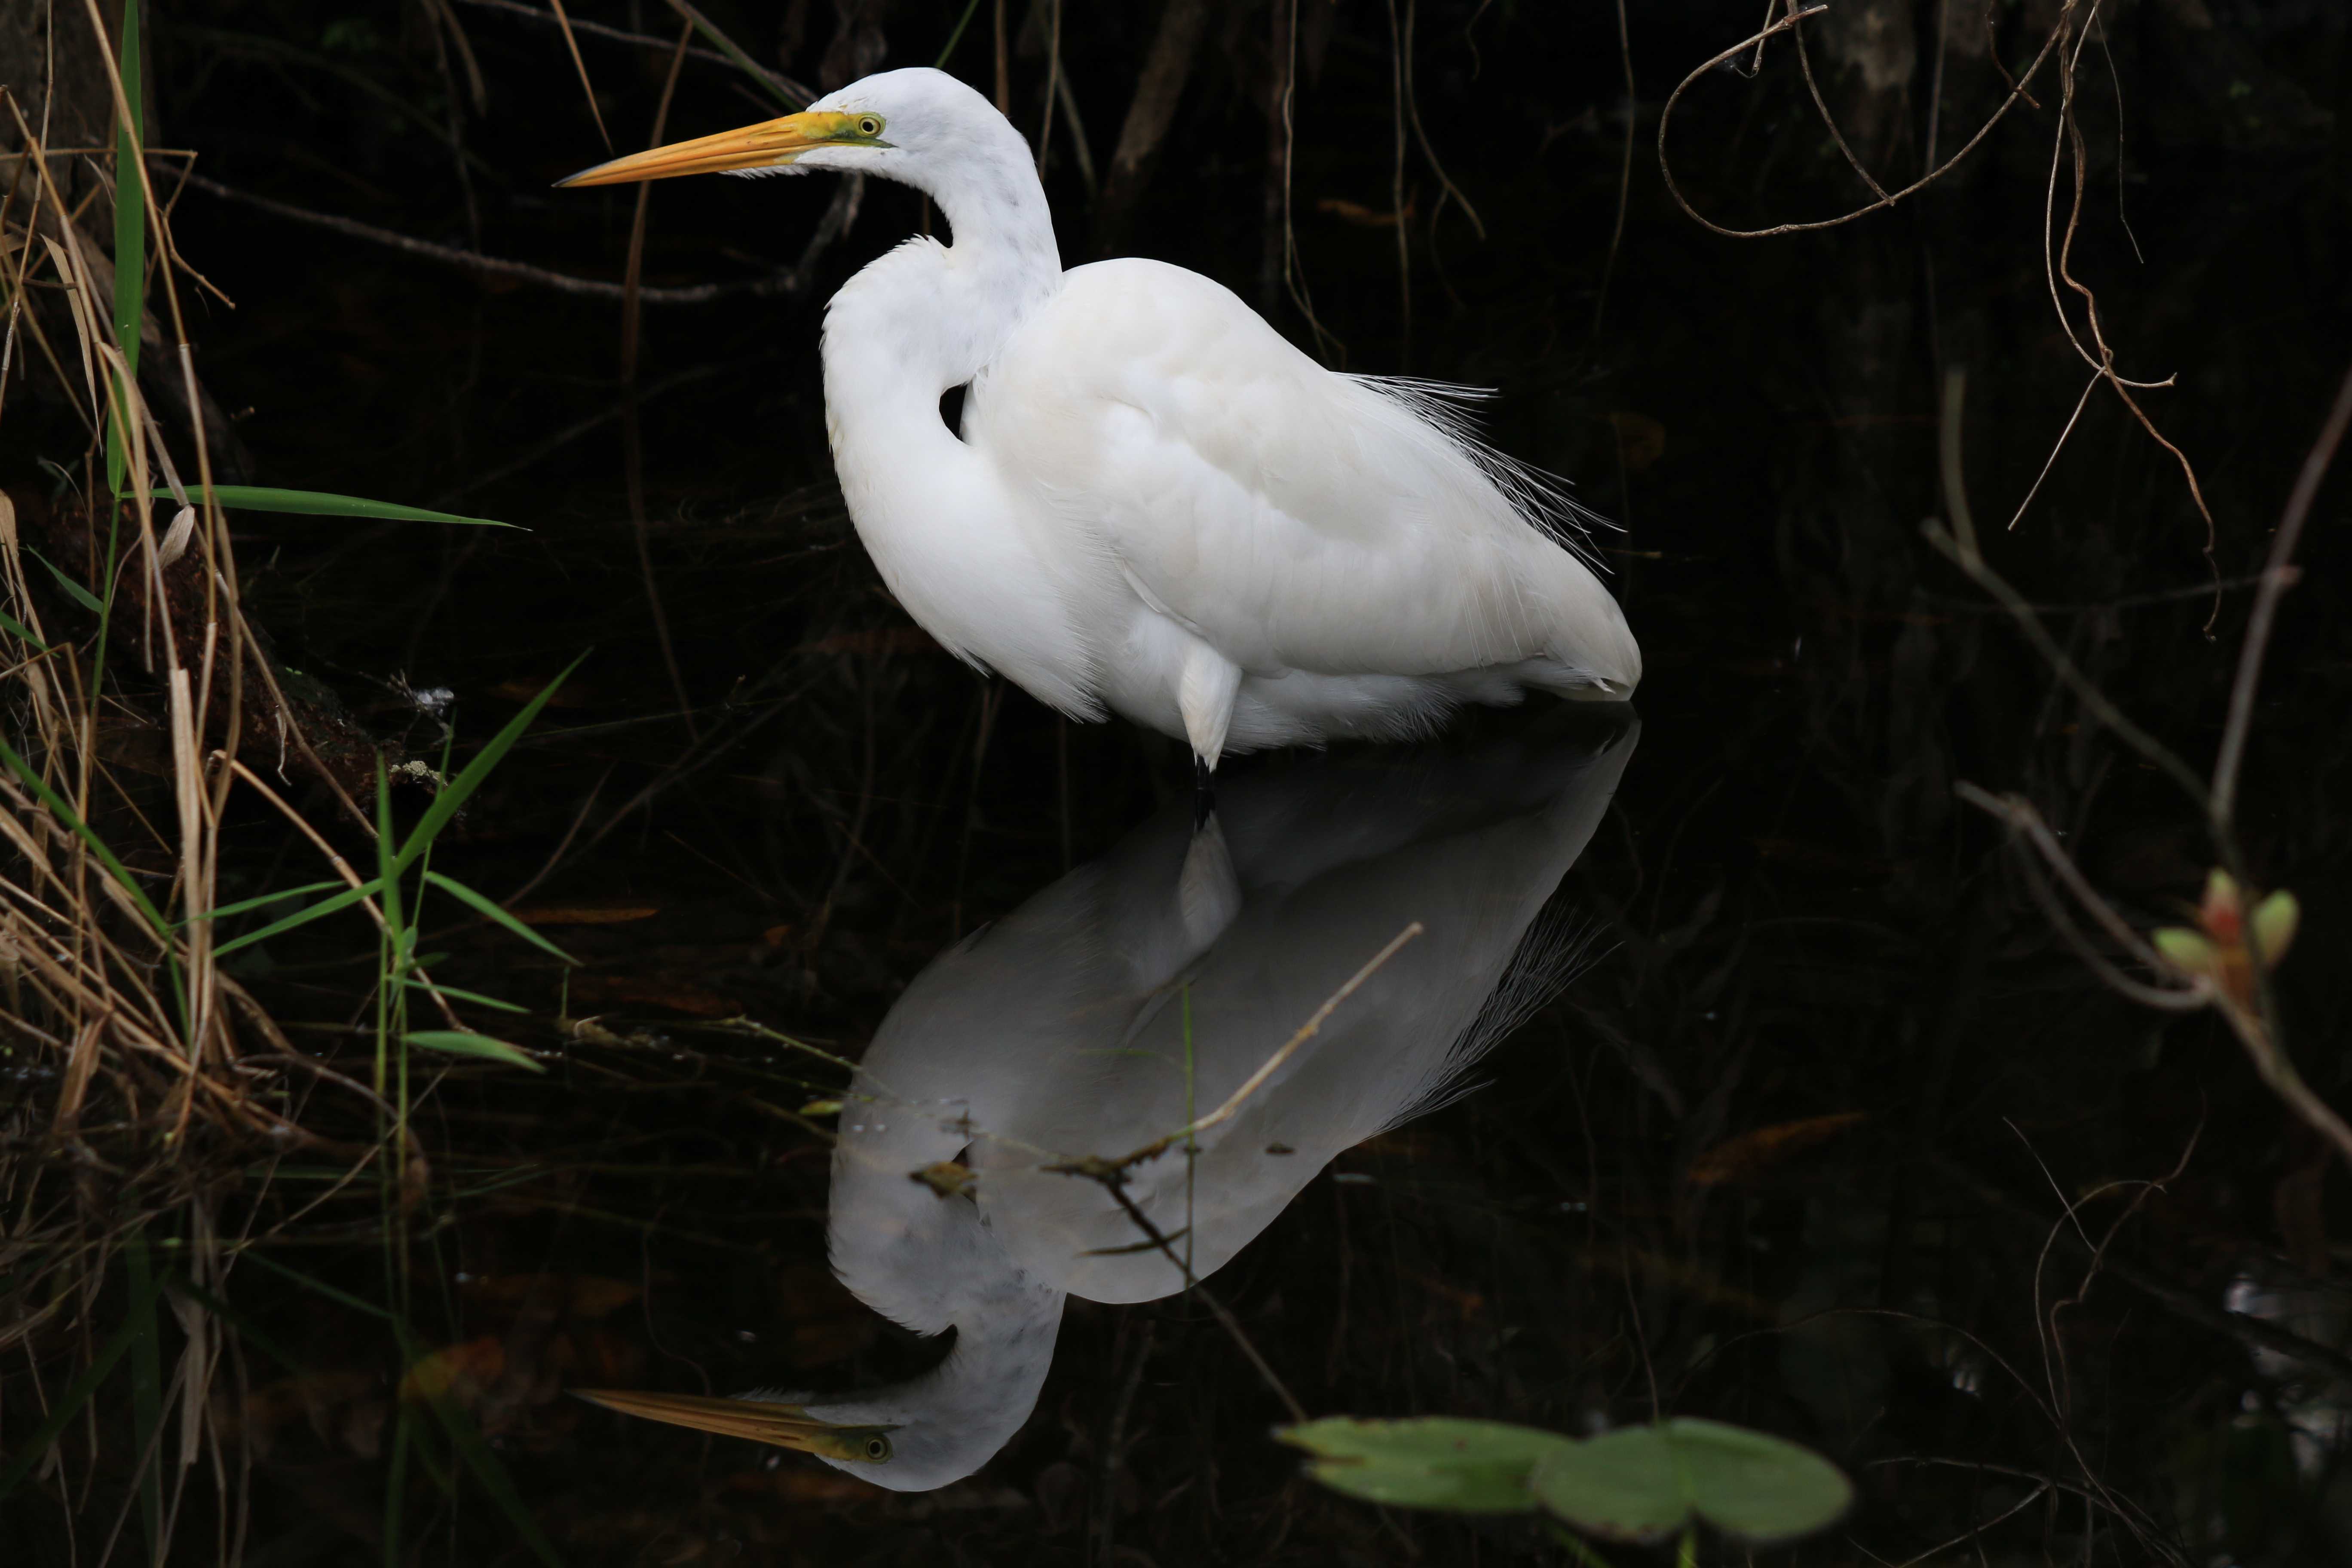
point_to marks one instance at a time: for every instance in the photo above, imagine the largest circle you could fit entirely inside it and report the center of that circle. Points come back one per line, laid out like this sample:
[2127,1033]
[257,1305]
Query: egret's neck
[953,1419]
[936,315]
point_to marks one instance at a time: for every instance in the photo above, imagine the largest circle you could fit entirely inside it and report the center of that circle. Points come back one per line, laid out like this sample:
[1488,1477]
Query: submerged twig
[1095,1166]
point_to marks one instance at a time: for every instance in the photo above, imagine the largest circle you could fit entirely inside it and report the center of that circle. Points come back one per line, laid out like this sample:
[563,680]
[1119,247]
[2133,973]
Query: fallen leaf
[1359,214]
[461,1372]
[1640,440]
[582,1296]
[584,914]
[1746,1156]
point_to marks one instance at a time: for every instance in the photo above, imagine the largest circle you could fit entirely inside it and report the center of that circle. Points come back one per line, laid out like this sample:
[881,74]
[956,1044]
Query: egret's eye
[869,125]
[877,1449]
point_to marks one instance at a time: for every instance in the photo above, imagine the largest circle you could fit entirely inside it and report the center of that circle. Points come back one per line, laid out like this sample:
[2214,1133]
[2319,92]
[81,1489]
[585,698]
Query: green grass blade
[476,997]
[320,1287]
[129,235]
[130,199]
[388,868]
[481,905]
[21,632]
[321,503]
[242,905]
[455,792]
[728,46]
[76,1393]
[74,591]
[459,1042]
[249,1332]
[82,830]
[343,900]
[494,1479]
[957,36]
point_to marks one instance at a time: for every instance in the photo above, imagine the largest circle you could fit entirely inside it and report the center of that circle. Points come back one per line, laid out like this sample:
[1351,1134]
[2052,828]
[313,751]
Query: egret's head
[864,1449]
[913,1436]
[898,125]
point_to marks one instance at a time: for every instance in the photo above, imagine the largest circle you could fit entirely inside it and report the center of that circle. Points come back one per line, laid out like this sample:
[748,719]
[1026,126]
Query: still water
[1715,1061]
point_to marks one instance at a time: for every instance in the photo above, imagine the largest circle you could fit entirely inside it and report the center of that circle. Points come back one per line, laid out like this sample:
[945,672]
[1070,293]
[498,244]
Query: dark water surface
[1735,1071]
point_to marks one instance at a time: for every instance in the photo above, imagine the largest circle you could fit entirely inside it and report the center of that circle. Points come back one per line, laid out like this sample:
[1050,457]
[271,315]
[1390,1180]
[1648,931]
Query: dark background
[1801,919]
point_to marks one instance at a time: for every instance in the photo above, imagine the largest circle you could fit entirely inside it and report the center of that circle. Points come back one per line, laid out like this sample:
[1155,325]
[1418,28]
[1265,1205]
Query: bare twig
[632,441]
[1115,1185]
[1429,152]
[587,88]
[1625,175]
[1149,115]
[791,281]
[1666,117]
[1960,546]
[2257,1027]
[585,28]
[1095,1166]
[2277,577]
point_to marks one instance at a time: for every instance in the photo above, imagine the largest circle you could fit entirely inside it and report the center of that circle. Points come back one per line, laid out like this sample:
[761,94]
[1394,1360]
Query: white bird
[1156,504]
[1065,1028]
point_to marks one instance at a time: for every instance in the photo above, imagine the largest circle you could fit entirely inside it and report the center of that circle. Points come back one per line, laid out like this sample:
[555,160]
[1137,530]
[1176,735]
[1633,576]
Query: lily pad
[1467,1466]
[1644,1483]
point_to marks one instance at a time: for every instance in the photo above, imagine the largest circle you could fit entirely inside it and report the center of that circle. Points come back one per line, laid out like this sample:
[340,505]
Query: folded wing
[1292,518]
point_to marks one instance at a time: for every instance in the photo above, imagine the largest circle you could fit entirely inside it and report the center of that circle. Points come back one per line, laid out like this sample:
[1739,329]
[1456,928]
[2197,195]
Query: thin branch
[1115,1186]
[2278,576]
[641,40]
[1624,173]
[791,281]
[2027,823]
[1666,117]
[587,88]
[1963,553]
[1096,1166]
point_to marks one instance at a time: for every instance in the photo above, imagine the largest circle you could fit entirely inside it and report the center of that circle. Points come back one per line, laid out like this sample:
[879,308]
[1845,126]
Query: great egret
[1064,1029]
[1156,504]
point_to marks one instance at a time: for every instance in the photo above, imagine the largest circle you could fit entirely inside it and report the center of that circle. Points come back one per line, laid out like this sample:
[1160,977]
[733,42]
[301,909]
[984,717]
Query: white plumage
[1062,1030]
[1156,504]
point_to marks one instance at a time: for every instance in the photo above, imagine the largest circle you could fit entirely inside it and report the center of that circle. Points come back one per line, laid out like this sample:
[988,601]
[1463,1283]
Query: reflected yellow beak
[781,1426]
[769,144]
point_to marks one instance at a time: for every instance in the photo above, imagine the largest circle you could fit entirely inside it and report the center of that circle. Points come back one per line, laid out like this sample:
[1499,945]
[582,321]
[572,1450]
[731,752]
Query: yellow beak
[769,144]
[781,1426]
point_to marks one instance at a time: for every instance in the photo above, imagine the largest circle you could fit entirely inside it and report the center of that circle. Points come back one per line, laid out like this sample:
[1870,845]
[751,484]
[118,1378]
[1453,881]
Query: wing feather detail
[1291,516]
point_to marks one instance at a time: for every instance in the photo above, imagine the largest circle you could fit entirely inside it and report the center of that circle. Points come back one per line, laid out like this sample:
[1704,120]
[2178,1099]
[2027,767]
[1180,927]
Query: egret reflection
[1125,1002]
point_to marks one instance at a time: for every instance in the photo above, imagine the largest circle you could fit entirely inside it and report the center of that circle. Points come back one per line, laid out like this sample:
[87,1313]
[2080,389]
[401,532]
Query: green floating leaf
[459,1042]
[1643,1483]
[1436,1462]
[320,503]
[1622,1485]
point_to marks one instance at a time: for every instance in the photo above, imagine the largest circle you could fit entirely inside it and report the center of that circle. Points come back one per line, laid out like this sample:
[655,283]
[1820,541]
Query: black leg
[1204,794]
